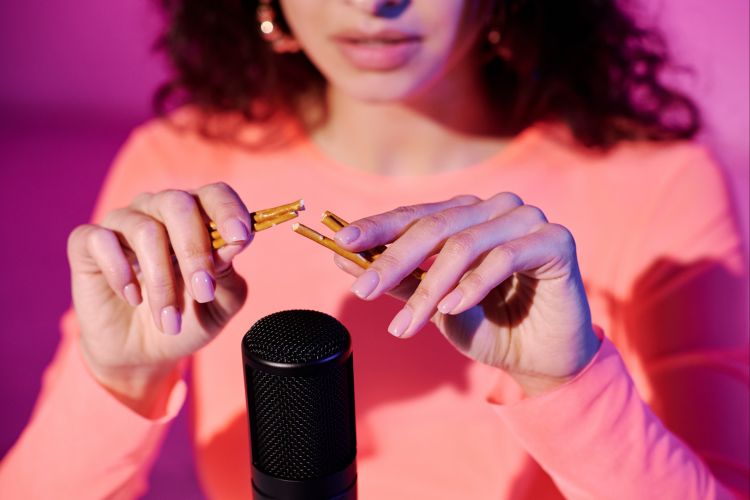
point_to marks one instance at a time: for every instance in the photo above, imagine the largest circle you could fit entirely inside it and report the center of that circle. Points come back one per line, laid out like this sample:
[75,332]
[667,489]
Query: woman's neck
[449,127]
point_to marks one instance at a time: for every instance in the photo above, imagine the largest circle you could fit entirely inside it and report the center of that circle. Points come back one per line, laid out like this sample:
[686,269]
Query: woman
[466,115]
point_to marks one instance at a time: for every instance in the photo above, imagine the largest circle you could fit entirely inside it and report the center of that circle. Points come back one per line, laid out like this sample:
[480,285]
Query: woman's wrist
[146,395]
[537,384]
[144,389]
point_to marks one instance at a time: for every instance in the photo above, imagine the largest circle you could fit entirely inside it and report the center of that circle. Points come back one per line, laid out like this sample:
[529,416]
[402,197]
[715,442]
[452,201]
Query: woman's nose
[381,8]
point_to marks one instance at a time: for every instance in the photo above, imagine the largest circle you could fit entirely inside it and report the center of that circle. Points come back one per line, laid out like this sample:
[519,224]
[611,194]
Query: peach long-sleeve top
[660,412]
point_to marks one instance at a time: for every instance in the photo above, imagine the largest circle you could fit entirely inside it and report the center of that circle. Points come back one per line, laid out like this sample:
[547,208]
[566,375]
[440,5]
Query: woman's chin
[381,88]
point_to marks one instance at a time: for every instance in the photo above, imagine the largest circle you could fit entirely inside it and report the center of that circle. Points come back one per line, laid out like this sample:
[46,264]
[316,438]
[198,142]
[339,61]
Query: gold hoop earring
[280,42]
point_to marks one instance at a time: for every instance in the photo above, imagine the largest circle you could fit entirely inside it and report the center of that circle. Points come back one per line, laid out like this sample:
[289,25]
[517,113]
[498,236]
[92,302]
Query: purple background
[77,76]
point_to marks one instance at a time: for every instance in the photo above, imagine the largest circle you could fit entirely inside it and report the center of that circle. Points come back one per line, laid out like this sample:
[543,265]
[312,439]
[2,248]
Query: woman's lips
[382,51]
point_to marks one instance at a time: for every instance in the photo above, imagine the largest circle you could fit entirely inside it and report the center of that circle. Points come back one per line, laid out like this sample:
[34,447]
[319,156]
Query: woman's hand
[504,287]
[141,310]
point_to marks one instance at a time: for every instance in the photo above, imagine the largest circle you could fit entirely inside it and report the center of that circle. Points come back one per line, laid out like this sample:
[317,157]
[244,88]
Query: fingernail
[365,284]
[203,286]
[450,301]
[236,231]
[170,320]
[337,261]
[130,292]
[347,235]
[400,322]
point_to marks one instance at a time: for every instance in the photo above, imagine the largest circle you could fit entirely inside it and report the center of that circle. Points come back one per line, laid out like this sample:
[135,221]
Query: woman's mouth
[385,50]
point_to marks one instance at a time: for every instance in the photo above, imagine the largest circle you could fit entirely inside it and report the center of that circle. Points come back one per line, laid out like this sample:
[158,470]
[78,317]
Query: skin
[505,288]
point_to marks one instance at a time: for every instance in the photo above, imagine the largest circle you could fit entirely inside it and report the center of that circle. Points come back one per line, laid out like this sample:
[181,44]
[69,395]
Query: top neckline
[363,179]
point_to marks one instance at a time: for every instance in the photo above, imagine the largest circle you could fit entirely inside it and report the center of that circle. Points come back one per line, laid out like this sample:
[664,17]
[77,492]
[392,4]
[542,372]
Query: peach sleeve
[81,442]
[665,413]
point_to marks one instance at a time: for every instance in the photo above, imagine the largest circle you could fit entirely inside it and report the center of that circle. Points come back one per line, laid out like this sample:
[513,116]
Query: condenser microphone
[299,388]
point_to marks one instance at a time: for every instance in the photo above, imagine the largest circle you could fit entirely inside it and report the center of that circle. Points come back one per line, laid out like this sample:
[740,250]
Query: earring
[280,42]
[494,37]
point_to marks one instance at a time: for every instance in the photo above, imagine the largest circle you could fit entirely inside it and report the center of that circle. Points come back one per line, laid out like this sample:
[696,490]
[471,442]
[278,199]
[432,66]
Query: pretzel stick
[336,223]
[315,236]
[272,213]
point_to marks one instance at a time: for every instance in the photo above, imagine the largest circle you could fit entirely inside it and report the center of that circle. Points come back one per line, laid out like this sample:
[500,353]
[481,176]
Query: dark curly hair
[585,63]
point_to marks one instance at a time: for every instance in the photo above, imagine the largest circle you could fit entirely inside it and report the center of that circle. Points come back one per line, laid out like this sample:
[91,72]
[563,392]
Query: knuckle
[475,281]
[113,216]
[435,224]
[147,230]
[533,213]
[99,236]
[179,201]
[469,199]
[563,235]
[506,254]
[461,243]
[404,212]
[387,261]
[141,198]
[77,236]
[511,198]
[193,253]
[220,186]
[421,295]
[162,288]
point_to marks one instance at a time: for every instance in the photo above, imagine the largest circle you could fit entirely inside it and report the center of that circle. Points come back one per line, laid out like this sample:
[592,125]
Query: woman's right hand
[141,310]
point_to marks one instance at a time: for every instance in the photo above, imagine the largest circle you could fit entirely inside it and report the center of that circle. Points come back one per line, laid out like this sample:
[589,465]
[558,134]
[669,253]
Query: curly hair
[585,63]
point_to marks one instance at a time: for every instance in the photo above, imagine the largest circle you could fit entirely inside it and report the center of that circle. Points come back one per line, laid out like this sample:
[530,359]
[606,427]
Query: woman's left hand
[504,288]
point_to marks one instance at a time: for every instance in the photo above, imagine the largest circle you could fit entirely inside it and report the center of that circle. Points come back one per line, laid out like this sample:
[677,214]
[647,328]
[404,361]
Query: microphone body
[299,388]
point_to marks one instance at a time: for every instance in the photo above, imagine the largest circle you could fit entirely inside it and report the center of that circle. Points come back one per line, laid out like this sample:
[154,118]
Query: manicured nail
[236,232]
[170,320]
[450,301]
[400,322]
[347,235]
[203,286]
[365,284]
[130,292]
[338,262]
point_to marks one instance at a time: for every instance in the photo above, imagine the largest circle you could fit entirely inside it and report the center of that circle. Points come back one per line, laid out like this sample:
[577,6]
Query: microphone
[299,389]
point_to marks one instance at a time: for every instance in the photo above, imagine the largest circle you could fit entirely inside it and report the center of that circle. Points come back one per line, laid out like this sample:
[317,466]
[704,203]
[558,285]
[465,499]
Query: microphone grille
[304,427]
[300,389]
[297,337]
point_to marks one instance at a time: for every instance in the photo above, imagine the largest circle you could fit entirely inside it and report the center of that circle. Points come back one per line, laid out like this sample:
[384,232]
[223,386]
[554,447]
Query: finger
[457,256]
[180,213]
[402,291]
[380,229]
[548,253]
[103,247]
[426,236]
[148,239]
[224,206]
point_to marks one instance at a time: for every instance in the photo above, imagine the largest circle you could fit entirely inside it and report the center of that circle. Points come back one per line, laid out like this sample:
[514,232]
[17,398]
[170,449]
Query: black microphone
[299,388]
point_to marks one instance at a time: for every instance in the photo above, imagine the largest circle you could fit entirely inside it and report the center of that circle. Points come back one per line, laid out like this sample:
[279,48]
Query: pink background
[76,76]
